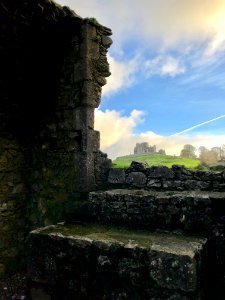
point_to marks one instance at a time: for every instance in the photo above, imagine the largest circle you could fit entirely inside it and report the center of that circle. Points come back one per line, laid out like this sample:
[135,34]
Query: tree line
[208,156]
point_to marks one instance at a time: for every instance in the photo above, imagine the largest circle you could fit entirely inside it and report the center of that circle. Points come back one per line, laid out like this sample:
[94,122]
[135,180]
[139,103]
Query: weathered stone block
[116,176]
[85,173]
[173,185]
[218,186]
[181,173]
[90,45]
[137,166]
[83,118]
[160,172]
[197,185]
[136,179]
[154,183]
[91,94]
[165,268]
[81,71]
[114,262]
[205,176]
[106,41]
[195,212]
[90,141]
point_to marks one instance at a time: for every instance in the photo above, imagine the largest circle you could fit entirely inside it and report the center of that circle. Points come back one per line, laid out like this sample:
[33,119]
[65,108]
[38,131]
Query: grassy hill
[156,160]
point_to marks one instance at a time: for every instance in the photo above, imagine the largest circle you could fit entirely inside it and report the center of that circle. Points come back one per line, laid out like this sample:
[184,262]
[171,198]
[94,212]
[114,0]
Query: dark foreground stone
[96,262]
[14,287]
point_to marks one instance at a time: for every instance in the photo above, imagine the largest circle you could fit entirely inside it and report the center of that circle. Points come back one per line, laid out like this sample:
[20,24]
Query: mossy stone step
[89,261]
[195,212]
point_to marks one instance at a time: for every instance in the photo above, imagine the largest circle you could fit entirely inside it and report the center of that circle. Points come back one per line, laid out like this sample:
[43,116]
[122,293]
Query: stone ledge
[96,261]
[195,212]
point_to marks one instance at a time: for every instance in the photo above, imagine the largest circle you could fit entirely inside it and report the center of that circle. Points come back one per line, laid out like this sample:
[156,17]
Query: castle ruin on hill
[144,148]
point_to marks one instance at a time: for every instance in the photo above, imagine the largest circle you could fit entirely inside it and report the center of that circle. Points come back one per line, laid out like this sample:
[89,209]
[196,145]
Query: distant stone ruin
[143,148]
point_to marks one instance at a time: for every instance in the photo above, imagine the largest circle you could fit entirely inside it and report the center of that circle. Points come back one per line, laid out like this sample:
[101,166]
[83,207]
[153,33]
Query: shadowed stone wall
[161,178]
[53,65]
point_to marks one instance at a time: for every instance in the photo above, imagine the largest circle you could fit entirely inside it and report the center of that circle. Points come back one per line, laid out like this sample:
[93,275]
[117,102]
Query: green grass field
[156,160]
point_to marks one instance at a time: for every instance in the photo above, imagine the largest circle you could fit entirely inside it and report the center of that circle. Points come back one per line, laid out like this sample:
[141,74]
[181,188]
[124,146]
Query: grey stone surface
[154,183]
[136,179]
[106,41]
[116,176]
[137,264]
[195,212]
[53,65]
[160,172]
[197,185]
[175,179]
[137,166]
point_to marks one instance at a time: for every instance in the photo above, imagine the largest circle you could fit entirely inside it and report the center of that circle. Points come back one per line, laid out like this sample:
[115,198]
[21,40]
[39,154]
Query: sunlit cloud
[170,23]
[122,75]
[163,26]
[183,35]
[217,44]
[114,126]
[125,73]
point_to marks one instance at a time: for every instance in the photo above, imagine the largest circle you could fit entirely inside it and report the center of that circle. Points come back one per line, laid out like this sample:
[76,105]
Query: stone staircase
[190,212]
[89,261]
[141,242]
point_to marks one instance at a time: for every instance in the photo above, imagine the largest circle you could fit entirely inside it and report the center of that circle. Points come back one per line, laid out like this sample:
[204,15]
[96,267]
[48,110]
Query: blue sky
[168,73]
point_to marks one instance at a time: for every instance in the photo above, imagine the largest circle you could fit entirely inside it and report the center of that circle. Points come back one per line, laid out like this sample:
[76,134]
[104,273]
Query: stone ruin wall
[172,203]
[178,200]
[53,65]
[161,178]
[160,197]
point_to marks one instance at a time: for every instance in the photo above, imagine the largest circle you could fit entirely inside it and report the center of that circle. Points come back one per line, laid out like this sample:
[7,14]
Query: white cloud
[170,23]
[114,126]
[164,65]
[122,75]
[118,137]
[160,27]
[174,31]
[216,45]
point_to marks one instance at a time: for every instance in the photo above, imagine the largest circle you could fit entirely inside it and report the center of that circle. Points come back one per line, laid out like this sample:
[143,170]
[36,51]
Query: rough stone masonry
[52,67]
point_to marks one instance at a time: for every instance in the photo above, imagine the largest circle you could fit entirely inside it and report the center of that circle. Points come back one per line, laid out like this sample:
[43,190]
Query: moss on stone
[93,21]
[57,5]
[98,38]
[140,238]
